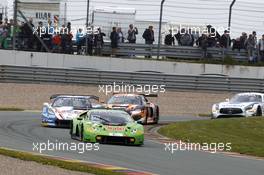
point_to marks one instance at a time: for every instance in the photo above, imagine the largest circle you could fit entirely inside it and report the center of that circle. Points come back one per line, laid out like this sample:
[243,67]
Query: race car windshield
[76,103]
[135,100]
[245,98]
[110,118]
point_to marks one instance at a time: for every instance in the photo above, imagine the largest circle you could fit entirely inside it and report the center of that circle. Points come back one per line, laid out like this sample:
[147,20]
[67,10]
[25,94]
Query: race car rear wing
[149,95]
[74,95]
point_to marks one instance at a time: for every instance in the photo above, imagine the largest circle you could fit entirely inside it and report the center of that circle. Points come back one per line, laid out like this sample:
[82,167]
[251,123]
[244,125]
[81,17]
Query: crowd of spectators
[40,38]
[249,43]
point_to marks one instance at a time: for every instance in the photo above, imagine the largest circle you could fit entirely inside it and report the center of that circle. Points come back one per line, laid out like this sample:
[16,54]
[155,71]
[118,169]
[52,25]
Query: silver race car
[241,105]
[63,108]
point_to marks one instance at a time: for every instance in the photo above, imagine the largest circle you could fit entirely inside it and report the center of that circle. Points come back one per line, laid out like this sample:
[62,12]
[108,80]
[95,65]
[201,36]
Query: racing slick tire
[71,129]
[156,119]
[146,117]
[259,112]
[81,134]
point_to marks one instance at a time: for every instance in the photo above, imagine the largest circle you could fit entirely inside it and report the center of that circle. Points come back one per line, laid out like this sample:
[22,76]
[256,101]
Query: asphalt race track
[19,130]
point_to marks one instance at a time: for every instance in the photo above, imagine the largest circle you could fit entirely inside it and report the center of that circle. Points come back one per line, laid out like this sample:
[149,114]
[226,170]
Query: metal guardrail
[175,52]
[182,52]
[18,74]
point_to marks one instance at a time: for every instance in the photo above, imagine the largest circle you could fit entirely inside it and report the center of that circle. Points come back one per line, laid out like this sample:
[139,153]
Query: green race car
[107,126]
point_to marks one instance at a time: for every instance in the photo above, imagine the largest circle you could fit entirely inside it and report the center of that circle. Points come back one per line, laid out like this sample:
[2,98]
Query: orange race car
[137,105]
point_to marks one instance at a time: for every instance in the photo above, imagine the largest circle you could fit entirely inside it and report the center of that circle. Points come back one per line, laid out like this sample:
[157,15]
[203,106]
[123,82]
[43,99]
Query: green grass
[45,160]
[245,134]
[10,109]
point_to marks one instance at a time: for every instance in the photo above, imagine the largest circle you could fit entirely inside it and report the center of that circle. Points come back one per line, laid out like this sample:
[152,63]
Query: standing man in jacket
[261,48]
[99,42]
[114,41]
[169,39]
[148,35]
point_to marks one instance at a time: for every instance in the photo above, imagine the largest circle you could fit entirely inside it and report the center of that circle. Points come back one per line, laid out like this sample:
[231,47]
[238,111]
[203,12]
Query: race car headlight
[250,107]
[50,112]
[134,131]
[215,108]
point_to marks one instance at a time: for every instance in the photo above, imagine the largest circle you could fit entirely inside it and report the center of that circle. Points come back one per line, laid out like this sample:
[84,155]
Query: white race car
[64,108]
[243,105]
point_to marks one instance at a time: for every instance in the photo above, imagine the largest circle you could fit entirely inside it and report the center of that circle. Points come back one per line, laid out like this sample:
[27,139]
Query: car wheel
[77,132]
[81,133]
[146,117]
[71,129]
[156,120]
[259,112]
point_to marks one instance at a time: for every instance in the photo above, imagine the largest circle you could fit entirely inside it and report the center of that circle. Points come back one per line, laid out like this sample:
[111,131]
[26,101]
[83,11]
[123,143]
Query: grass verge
[46,160]
[245,134]
[11,109]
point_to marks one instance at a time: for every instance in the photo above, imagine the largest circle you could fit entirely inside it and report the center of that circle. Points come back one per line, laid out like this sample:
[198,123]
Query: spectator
[121,38]
[66,39]
[69,39]
[90,42]
[169,39]
[114,41]
[192,37]
[39,33]
[79,41]
[56,42]
[132,32]
[47,39]
[2,34]
[28,34]
[261,48]
[148,35]
[250,45]
[178,38]
[9,26]
[212,40]
[243,39]
[236,44]
[225,40]
[186,39]
[50,28]
[99,42]
[254,34]
[202,42]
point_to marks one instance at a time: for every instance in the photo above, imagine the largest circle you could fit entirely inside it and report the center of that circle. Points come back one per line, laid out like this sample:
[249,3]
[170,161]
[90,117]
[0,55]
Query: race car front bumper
[233,112]
[54,122]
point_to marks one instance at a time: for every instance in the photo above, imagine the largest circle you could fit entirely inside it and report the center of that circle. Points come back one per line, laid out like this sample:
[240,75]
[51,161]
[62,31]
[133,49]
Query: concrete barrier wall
[51,60]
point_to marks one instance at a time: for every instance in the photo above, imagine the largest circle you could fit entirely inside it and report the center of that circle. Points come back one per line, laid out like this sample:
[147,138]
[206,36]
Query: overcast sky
[247,14]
